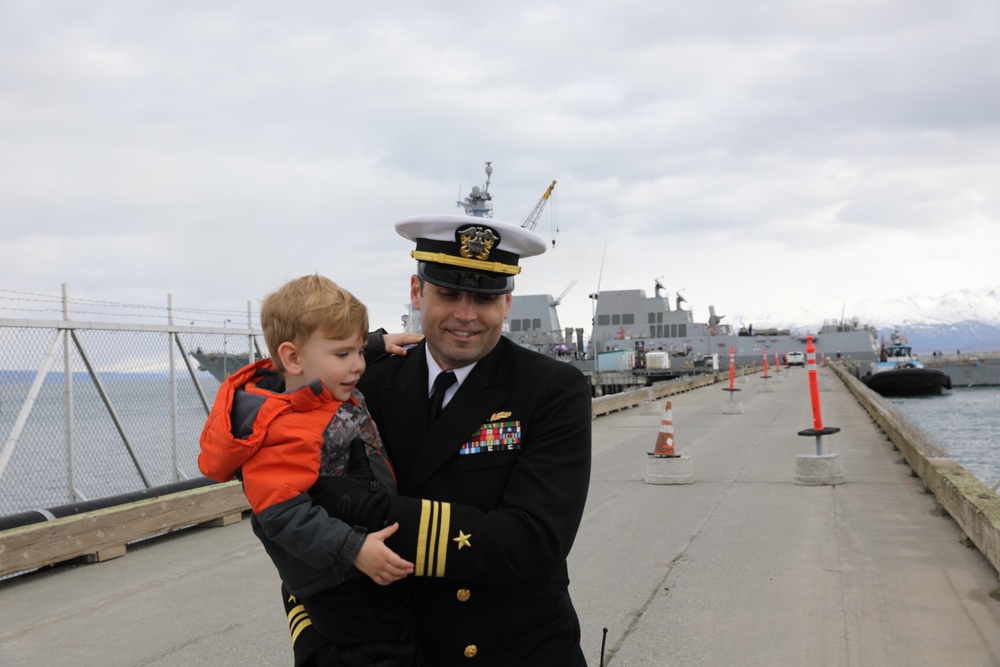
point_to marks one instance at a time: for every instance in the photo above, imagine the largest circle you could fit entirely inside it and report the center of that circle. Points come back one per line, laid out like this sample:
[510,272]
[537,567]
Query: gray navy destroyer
[631,320]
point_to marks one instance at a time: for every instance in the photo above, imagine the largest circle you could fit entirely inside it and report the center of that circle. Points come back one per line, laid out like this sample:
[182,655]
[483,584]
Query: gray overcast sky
[757,155]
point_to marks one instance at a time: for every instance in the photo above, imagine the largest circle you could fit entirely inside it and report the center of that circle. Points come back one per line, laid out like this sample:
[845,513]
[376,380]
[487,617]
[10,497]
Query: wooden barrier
[972,504]
[604,405]
[103,534]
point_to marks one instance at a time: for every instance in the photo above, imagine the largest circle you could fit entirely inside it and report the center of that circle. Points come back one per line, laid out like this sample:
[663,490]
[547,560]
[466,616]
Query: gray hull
[220,365]
[625,318]
[969,371]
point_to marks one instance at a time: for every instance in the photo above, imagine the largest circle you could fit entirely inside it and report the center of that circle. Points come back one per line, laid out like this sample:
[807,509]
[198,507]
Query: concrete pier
[741,567]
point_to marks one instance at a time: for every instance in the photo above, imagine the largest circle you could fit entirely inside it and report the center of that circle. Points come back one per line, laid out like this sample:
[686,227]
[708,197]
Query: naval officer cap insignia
[469,253]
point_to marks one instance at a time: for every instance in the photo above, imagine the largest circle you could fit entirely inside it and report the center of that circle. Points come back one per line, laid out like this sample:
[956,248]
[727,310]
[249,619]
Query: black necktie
[441,383]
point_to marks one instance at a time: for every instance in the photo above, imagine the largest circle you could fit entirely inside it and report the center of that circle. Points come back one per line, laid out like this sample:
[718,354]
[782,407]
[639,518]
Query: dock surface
[740,567]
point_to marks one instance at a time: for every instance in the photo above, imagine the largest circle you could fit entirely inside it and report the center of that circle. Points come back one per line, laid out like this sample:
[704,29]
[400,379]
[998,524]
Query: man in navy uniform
[492,484]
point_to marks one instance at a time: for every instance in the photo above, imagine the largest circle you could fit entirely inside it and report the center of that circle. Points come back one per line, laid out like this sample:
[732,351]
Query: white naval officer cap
[469,253]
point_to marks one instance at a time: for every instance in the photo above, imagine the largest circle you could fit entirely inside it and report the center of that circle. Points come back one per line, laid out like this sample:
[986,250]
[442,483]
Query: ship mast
[479,203]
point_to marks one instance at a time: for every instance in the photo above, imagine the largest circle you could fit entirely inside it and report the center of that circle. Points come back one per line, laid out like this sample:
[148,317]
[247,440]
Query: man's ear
[416,291]
[289,355]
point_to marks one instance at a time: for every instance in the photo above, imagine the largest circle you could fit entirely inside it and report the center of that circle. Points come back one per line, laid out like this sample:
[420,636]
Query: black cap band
[465,279]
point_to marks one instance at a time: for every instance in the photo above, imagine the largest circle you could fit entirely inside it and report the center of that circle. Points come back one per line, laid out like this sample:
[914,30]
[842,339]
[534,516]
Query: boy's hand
[380,562]
[395,342]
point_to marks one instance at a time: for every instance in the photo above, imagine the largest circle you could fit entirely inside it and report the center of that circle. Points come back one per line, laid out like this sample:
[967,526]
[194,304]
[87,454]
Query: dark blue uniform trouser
[355,624]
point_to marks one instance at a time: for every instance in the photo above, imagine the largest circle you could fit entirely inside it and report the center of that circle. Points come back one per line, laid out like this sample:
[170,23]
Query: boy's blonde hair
[307,304]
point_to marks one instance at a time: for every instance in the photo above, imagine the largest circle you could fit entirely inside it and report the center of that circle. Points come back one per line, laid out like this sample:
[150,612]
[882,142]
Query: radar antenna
[658,286]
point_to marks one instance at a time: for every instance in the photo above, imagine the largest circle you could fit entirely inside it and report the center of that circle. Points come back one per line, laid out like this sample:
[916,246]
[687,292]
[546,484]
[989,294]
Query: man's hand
[380,562]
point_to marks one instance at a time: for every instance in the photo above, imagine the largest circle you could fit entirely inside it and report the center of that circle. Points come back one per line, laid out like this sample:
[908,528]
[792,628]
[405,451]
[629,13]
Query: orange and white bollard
[732,368]
[732,408]
[822,468]
[664,465]
[765,389]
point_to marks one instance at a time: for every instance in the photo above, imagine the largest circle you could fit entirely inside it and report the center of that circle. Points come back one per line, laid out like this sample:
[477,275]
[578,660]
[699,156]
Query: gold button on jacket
[463,594]
[471,651]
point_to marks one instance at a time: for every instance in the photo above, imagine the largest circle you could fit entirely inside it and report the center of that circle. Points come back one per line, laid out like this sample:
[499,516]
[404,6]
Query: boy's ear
[289,355]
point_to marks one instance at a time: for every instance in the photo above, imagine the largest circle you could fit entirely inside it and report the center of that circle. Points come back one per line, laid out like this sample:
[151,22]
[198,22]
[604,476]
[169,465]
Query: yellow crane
[532,220]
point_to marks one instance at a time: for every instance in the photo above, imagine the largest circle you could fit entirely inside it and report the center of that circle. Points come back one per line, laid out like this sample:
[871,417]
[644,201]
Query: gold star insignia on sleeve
[462,540]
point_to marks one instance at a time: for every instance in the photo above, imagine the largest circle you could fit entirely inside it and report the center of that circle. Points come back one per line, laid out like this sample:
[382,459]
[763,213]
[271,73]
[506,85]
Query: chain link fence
[94,410]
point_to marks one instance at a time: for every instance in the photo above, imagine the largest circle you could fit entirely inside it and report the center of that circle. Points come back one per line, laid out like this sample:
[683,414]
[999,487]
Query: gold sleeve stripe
[443,538]
[421,555]
[298,620]
[432,539]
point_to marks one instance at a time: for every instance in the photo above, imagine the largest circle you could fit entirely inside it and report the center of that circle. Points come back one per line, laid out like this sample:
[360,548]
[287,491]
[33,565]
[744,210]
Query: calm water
[40,463]
[964,423]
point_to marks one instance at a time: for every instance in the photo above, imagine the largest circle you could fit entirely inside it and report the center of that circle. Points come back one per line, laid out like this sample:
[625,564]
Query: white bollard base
[669,470]
[818,470]
[650,408]
[731,408]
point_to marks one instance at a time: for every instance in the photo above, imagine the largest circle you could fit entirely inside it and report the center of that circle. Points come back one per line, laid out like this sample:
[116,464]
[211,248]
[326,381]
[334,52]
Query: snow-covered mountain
[966,320]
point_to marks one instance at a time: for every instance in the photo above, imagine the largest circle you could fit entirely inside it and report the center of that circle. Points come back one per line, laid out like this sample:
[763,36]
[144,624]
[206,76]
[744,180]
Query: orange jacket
[277,439]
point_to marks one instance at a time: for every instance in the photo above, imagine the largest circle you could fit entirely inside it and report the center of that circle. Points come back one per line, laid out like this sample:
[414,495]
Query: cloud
[744,151]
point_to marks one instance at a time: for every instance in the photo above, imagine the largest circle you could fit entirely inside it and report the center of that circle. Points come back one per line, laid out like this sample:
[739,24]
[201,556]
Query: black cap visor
[465,280]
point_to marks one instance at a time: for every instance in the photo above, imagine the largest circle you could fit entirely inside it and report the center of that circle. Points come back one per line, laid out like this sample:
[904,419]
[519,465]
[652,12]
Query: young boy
[281,423]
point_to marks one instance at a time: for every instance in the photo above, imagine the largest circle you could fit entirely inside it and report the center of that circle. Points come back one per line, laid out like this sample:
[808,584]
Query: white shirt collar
[460,374]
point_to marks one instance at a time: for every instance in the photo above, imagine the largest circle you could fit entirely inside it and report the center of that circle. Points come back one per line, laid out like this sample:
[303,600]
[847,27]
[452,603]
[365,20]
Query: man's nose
[465,309]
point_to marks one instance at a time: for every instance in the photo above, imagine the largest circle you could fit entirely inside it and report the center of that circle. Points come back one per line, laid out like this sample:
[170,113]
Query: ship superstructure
[625,319]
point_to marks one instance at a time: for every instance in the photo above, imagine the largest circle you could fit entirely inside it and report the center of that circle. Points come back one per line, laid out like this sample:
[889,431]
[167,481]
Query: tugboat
[898,372]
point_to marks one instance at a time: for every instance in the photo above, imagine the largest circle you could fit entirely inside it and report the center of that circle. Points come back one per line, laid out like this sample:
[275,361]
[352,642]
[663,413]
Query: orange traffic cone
[665,439]
[663,466]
